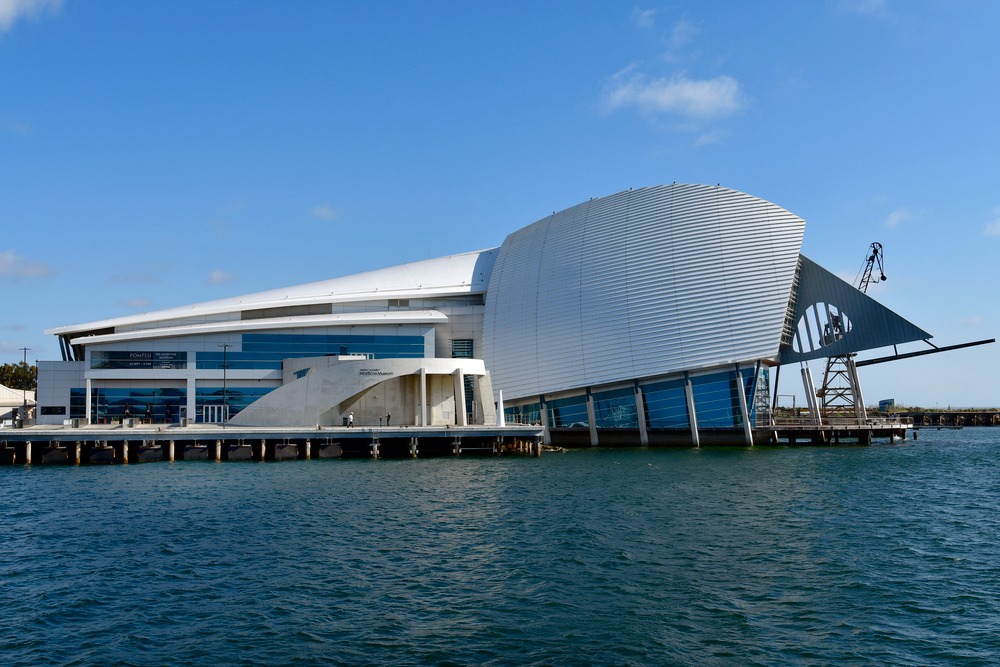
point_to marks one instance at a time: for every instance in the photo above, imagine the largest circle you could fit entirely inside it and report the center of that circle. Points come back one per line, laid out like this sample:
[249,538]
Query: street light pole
[225,394]
[24,387]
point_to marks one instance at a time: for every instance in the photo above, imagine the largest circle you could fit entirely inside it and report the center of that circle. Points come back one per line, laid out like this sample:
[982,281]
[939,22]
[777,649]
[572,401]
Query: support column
[592,419]
[544,413]
[75,453]
[170,450]
[413,447]
[218,450]
[810,389]
[859,401]
[422,412]
[27,453]
[692,413]
[90,419]
[640,414]
[744,412]
[192,401]
[460,406]
[308,446]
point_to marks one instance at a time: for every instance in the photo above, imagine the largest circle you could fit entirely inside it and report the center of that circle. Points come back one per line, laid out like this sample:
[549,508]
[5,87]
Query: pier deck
[116,443]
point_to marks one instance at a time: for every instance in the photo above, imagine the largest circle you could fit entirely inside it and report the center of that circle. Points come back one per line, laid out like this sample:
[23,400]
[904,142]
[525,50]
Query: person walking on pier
[388,418]
[350,420]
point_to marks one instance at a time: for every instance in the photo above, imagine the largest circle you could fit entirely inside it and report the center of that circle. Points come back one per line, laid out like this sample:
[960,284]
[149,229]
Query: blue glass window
[156,405]
[568,412]
[523,414]
[266,351]
[236,398]
[715,400]
[616,409]
[666,405]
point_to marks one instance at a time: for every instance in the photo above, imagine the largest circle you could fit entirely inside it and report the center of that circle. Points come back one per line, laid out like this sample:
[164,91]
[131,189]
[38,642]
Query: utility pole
[24,387]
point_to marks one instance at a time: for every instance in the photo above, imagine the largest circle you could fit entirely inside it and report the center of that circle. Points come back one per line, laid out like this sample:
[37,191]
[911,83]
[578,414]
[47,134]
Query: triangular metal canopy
[833,318]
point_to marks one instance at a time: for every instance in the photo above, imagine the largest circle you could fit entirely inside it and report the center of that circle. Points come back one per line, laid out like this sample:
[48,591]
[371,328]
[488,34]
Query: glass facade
[568,412]
[666,405]
[116,359]
[715,401]
[236,398]
[615,409]
[523,414]
[157,405]
[265,351]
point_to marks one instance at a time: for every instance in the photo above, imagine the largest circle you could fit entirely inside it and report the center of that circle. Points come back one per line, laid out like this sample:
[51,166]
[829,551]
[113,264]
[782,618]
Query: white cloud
[325,212]
[17,267]
[898,216]
[683,34]
[218,277]
[6,346]
[993,228]
[699,100]
[12,10]
[644,18]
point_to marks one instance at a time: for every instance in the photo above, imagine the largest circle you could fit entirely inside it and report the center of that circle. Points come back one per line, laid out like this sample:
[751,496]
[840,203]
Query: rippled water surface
[844,555]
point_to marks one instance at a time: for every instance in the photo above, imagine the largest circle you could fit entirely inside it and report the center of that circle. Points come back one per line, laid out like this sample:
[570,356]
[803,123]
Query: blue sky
[159,154]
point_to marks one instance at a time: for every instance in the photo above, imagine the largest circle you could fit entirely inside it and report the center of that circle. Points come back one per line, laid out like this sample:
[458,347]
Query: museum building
[656,312]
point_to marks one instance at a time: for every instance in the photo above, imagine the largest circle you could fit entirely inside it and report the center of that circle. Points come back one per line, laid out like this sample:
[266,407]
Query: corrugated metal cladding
[641,283]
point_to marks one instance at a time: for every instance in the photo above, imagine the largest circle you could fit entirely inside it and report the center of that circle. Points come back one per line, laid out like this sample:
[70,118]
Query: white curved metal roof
[466,273]
[642,283]
[238,326]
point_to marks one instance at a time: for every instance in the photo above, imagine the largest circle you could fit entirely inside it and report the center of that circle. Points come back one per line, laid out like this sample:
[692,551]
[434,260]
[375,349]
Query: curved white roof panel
[642,283]
[467,273]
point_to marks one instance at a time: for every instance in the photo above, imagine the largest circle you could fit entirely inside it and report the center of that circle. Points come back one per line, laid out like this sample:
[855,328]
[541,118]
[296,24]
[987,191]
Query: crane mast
[841,390]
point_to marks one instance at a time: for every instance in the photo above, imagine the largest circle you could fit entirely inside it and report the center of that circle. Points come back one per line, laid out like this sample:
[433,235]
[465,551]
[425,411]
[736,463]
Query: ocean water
[877,555]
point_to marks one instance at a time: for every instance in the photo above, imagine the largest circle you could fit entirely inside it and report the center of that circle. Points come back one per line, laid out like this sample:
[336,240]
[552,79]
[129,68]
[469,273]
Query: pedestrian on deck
[388,418]
[350,420]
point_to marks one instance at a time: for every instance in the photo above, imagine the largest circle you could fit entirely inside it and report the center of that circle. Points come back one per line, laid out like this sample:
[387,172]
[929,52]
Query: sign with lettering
[138,359]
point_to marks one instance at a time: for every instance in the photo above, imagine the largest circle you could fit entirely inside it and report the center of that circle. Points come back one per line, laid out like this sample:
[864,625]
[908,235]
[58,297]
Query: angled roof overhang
[833,318]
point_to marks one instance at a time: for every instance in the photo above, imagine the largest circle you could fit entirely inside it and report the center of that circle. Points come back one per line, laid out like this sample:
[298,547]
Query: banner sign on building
[124,360]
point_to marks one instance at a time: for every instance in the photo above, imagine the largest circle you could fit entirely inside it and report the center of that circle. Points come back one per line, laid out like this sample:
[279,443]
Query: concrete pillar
[640,414]
[422,412]
[544,413]
[456,445]
[170,450]
[75,453]
[592,419]
[90,419]
[692,413]
[192,405]
[218,450]
[413,447]
[27,453]
[744,411]
[124,450]
[308,447]
[460,406]
[374,449]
